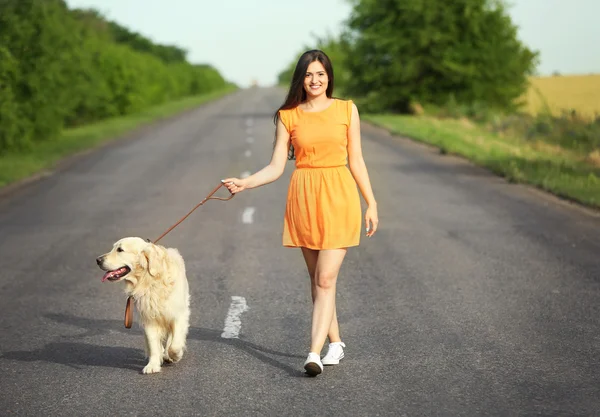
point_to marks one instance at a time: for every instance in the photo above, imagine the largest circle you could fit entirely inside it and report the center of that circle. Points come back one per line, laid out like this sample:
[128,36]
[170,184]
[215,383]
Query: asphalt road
[476,297]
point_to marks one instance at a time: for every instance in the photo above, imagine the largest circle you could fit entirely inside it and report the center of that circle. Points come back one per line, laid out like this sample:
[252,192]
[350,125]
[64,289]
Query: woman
[323,213]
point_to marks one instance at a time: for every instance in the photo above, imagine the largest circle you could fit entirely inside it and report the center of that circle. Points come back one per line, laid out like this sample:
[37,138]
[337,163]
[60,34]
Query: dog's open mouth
[116,274]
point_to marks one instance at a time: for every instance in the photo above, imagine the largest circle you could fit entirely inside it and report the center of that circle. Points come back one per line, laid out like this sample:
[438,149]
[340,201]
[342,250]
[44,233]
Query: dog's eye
[119,249]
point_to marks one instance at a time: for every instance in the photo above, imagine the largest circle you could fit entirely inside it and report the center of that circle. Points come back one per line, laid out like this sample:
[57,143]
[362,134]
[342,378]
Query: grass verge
[563,172]
[15,166]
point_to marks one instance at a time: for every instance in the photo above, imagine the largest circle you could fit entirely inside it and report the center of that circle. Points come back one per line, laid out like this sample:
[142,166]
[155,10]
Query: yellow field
[565,92]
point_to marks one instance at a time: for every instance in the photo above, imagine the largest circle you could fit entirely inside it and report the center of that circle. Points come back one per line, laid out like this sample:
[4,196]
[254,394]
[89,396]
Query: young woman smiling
[323,213]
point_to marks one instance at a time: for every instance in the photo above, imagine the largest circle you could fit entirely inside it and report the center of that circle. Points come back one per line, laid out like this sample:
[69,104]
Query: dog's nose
[99,260]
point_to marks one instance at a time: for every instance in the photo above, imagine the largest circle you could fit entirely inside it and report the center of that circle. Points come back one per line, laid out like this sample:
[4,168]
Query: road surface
[475,297]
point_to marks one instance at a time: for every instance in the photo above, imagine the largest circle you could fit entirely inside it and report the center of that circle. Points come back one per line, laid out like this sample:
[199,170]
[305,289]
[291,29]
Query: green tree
[42,44]
[60,67]
[433,51]
[93,19]
[12,124]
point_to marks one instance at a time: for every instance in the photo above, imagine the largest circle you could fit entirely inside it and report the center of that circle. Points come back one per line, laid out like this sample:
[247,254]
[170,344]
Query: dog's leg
[153,336]
[166,357]
[180,331]
[146,345]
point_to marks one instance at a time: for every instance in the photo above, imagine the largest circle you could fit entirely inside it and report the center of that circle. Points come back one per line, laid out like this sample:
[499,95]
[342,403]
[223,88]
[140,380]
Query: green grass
[18,165]
[563,172]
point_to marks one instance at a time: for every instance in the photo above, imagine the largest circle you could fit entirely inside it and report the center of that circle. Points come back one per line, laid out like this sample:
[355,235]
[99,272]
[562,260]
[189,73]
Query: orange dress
[323,205]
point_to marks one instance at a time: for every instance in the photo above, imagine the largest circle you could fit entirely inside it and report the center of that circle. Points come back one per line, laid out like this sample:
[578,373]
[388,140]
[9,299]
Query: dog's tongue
[110,274]
[107,275]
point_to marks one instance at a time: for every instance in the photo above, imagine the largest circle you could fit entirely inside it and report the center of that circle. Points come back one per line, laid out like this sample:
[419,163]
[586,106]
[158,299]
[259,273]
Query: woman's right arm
[269,173]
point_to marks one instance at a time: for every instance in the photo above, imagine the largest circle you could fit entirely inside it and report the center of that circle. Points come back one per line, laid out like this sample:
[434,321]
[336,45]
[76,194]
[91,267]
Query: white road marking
[247,215]
[245,174]
[250,139]
[249,122]
[232,321]
[248,153]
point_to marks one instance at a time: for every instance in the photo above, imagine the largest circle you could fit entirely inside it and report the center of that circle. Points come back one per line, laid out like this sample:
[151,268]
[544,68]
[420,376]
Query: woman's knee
[325,280]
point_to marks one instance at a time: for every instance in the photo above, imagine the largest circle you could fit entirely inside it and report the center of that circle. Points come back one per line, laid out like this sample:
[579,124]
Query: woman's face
[315,80]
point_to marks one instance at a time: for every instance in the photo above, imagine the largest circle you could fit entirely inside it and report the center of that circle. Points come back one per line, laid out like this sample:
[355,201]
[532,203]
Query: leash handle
[208,197]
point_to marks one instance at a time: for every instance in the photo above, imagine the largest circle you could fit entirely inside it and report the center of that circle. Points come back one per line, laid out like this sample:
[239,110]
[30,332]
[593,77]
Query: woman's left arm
[358,168]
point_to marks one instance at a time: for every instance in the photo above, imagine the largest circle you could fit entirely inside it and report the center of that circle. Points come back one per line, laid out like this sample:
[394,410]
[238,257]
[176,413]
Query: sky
[249,40]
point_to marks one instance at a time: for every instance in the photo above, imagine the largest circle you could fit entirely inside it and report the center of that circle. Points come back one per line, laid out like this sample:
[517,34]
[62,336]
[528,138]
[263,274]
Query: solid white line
[250,139]
[247,216]
[248,153]
[232,321]
[245,174]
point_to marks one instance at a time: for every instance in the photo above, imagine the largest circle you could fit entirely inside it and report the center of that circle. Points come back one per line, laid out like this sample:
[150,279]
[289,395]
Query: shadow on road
[73,354]
[77,355]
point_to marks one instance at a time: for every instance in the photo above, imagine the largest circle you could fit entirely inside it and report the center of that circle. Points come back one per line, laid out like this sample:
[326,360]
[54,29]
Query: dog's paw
[167,359]
[151,368]
[175,355]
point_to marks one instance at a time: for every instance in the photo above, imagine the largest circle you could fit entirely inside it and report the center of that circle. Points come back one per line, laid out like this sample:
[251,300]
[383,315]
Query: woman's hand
[234,185]
[371,220]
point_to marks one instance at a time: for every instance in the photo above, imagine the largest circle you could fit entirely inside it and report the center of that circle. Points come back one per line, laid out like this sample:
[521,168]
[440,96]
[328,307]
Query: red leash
[129,305]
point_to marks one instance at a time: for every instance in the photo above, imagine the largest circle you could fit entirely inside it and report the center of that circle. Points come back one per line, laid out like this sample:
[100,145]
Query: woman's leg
[326,270]
[310,257]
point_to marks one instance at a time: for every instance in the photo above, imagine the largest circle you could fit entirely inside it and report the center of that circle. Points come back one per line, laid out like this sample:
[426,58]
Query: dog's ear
[152,259]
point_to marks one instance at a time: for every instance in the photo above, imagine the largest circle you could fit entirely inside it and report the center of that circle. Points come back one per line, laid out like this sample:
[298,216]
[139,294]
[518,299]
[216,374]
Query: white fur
[159,286]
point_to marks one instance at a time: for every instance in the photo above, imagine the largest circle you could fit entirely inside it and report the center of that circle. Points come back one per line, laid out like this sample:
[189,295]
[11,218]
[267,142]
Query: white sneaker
[313,365]
[334,354]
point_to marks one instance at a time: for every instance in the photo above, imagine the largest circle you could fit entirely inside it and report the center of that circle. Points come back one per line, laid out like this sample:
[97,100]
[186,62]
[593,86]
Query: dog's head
[130,259]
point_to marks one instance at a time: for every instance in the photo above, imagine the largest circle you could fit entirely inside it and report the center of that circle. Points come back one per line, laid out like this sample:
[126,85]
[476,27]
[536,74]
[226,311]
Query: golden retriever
[156,279]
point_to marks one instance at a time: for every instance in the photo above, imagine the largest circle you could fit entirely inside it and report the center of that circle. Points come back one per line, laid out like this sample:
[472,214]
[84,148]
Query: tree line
[394,53]
[62,67]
